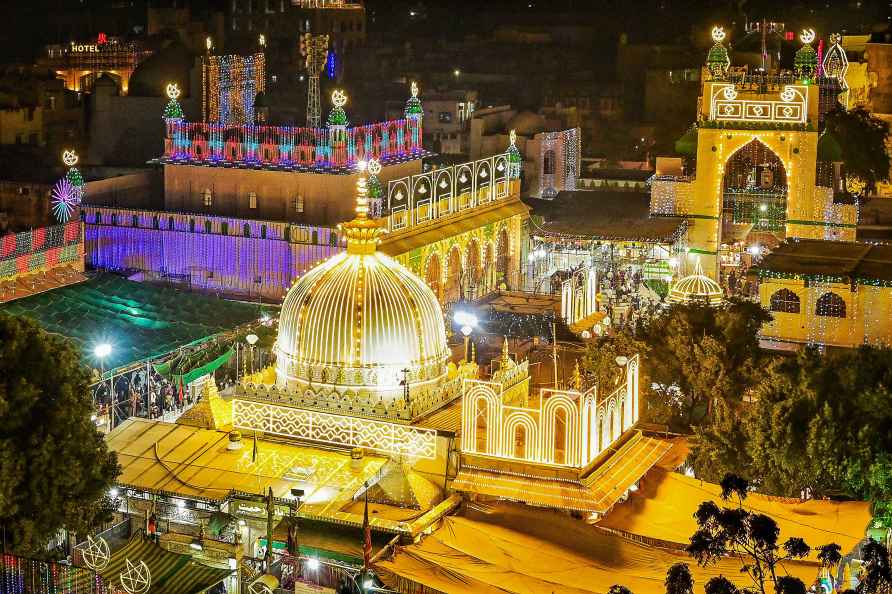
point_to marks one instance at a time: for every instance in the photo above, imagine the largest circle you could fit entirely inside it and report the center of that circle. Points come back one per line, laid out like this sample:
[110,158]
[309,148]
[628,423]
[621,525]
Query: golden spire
[577,377]
[505,358]
[473,353]
[363,233]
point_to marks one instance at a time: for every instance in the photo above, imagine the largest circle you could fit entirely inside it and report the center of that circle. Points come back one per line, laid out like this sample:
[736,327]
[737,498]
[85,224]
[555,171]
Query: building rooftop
[604,216]
[835,259]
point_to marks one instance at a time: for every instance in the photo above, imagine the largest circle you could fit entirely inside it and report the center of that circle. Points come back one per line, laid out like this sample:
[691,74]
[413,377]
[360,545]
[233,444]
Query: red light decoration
[286,146]
[102,39]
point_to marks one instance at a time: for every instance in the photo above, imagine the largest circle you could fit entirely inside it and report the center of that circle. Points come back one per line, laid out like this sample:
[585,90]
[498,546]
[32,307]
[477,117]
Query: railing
[292,147]
[434,195]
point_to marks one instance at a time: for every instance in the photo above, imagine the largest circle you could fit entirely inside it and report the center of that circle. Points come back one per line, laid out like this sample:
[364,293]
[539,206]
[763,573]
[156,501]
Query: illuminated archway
[433,275]
[474,269]
[453,275]
[755,188]
[502,257]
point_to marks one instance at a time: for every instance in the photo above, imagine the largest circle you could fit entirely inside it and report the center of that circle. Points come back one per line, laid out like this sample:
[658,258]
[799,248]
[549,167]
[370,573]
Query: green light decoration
[337,116]
[515,159]
[414,108]
[805,63]
[173,111]
[717,61]
[75,178]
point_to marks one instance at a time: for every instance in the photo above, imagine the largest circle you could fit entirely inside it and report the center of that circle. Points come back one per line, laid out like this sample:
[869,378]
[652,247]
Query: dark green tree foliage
[877,575]
[824,422]
[862,138]
[752,537]
[720,585]
[679,579]
[55,469]
[617,589]
[703,355]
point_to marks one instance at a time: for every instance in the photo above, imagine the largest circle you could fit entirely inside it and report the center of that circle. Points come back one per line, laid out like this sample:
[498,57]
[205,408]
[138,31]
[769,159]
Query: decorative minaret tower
[337,127]
[173,117]
[375,191]
[806,61]
[717,61]
[414,116]
[68,192]
[515,159]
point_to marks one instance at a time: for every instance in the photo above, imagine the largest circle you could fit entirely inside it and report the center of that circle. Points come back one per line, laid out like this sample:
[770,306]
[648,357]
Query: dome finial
[363,233]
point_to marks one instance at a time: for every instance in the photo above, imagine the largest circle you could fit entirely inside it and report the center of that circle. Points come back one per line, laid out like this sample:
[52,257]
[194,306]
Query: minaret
[515,159]
[414,115]
[805,63]
[835,66]
[337,128]
[173,117]
[376,192]
[717,61]
[362,233]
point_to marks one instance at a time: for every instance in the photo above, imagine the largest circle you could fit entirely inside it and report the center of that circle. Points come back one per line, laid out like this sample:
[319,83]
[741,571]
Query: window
[252,200]
[298,204]
[262,231]
[154,222]
[785,301]
[207,227]
[207,197]
[444,117]
[134,221]
[170,223]
[191,225]
[224,228]
[548,165]
[830,305]
[246,230]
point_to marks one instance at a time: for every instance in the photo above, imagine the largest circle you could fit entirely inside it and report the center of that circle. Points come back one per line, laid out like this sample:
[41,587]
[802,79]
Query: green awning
[170,573]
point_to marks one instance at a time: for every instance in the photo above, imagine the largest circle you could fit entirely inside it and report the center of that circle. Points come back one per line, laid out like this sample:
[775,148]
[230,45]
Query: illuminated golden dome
[358,320]
[697,288]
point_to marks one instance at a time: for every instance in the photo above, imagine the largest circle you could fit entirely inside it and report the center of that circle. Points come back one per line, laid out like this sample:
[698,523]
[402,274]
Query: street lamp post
[103,350]
[252,339]
[467,322]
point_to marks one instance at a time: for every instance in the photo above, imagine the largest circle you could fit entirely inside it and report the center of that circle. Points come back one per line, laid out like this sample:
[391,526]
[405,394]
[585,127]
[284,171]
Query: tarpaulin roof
[140,321]
[170,573]
[664,505]
[511,548]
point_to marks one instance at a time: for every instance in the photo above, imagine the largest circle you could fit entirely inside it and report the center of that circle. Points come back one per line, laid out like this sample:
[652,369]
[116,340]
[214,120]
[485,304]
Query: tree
[753,537]
[877,574]
[704,355]
[720,585]
[679,579]
[816,424]
[862,138]
[55,466]
[617,589]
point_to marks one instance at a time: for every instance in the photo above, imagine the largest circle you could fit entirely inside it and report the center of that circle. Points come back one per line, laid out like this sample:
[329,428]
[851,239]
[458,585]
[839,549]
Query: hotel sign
[84,48]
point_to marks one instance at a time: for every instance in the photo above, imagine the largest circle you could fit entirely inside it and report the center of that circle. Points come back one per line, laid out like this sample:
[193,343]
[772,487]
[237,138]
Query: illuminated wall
[579,296]
[567,428]
[41,250]
[229,255]
[231,84]
[827,312]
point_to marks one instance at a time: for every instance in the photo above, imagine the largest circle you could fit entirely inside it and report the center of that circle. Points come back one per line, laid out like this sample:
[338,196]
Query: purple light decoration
[65,198]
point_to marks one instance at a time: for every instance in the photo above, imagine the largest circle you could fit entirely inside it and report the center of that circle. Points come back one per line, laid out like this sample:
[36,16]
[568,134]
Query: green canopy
[140,321]
[189,369]
[828,147]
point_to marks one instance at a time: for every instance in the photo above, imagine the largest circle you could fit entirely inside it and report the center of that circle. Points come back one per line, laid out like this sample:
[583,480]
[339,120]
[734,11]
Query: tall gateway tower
[763,171]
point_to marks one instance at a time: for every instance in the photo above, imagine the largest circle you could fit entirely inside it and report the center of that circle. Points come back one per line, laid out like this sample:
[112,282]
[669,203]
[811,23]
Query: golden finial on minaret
[577,377]
[505,357]
[473,353]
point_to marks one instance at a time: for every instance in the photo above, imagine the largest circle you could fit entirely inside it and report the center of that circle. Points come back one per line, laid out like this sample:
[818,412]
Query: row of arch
[829,304]
[570,429]
[470,272]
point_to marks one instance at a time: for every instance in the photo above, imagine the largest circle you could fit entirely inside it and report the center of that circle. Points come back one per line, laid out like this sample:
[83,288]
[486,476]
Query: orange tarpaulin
[511,548]
[665,503]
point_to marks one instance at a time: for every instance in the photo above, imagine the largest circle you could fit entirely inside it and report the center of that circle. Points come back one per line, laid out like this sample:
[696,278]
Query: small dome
[361,322]
[697,288]
[171,64]
[527,123]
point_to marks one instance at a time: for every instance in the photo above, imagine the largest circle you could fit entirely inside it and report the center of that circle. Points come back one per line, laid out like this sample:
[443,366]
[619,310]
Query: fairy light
[590,424]
[231,84]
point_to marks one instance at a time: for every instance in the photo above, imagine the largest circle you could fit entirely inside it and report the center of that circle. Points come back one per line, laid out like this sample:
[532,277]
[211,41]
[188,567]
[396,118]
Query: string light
[231,85]
[589,424]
